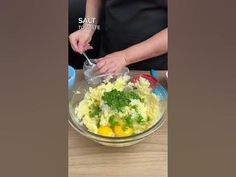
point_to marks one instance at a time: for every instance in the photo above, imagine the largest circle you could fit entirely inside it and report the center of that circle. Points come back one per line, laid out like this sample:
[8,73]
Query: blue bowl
[159,90]
[71,77]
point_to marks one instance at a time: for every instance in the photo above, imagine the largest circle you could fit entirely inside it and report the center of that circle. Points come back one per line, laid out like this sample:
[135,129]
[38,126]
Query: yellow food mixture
[120,108]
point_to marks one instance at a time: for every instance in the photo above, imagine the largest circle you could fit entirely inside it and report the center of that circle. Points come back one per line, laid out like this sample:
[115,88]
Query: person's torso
[128,22]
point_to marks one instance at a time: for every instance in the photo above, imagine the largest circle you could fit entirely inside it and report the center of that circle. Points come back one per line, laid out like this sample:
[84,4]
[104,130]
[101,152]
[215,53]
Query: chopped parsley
[139,119]
[135,108]
[96,112]
[117,100]
[128,121]
[112,121]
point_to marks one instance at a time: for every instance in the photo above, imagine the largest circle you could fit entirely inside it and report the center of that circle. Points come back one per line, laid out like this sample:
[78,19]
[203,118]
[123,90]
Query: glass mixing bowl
[78,96]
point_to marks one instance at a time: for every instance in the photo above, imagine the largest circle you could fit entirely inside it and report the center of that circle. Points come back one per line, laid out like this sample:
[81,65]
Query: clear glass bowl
[91,78]
[110,141]
[86,65]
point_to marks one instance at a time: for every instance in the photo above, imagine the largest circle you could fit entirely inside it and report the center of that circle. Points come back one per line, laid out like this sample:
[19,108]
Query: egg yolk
[119,131]
[105,131]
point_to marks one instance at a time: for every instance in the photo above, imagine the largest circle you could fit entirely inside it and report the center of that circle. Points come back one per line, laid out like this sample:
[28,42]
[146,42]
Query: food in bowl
[119,109]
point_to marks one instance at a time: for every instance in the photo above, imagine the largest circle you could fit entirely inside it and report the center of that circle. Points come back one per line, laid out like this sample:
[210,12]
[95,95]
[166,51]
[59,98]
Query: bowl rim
[85,132]
[123,72]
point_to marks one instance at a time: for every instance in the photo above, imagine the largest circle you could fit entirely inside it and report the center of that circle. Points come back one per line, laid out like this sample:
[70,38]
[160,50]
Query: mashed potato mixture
[119,108]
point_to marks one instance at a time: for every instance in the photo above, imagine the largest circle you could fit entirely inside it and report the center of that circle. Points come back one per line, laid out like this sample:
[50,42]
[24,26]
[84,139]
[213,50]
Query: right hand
[80,40]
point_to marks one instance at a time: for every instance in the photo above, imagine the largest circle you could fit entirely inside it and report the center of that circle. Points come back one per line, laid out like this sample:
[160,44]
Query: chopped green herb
[128,121]
[96,112]
[112,121]
[135,108]
[119,99]
[140,119]
[133,95]
[98,123]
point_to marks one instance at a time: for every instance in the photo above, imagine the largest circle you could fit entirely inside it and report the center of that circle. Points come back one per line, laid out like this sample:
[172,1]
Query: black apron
[128,22]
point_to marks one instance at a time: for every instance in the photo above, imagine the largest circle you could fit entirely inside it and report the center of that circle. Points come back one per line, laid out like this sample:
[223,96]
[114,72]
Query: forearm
[93,8]
[152,47]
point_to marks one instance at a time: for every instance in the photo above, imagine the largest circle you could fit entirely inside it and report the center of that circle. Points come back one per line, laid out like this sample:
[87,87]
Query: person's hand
[80,40]
[112,63]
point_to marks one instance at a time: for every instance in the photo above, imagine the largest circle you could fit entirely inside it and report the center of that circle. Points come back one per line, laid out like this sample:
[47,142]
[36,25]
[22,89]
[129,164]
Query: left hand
[112,63]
